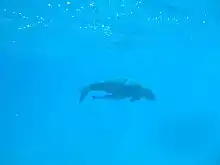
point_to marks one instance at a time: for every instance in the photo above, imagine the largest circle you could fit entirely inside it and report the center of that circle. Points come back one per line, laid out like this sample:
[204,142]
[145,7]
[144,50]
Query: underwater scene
[109,82]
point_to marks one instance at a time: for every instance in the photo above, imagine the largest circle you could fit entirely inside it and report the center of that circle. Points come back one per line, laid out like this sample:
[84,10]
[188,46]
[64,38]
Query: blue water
[50,50]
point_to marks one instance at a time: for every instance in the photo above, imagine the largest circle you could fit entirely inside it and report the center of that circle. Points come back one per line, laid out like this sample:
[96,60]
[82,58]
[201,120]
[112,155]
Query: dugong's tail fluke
[84,93]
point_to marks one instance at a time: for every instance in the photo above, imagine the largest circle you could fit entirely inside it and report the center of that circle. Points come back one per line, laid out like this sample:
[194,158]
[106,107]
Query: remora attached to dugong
[116,90]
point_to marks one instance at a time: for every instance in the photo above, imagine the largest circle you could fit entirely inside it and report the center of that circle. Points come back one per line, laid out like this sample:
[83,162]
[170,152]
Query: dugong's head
[148,94]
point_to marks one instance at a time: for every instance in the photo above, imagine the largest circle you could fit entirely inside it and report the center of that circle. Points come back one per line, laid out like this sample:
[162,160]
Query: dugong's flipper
[133,99]
[108,97]
[84,93]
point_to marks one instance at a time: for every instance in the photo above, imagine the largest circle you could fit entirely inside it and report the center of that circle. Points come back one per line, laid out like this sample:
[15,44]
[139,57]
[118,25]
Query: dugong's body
[118,90]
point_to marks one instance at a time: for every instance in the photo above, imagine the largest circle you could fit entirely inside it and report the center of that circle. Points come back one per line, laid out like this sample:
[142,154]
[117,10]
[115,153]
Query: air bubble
[82,20]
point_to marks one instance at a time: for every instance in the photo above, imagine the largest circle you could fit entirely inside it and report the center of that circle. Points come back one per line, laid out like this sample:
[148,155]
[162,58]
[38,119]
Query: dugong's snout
[149,95]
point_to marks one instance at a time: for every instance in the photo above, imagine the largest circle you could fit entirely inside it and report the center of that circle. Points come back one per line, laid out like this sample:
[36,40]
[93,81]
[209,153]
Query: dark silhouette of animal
[117,90]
